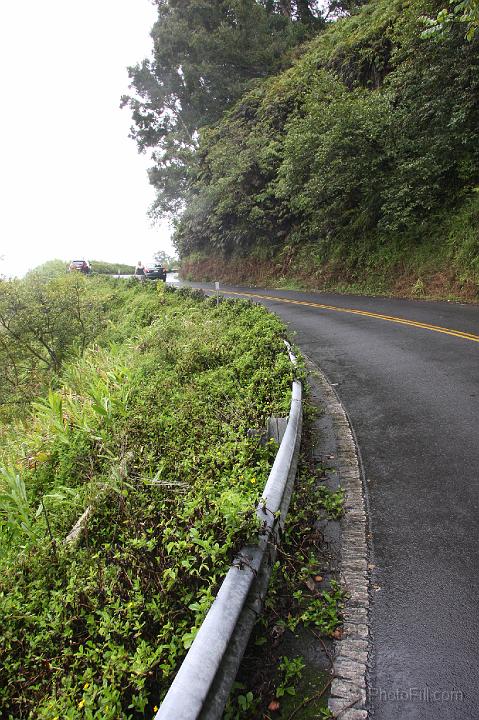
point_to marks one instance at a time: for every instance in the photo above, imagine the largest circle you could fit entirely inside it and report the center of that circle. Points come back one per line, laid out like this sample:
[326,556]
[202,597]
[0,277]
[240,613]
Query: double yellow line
[363,313]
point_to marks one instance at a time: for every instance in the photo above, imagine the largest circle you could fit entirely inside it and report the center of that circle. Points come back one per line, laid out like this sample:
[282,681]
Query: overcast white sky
[71,181]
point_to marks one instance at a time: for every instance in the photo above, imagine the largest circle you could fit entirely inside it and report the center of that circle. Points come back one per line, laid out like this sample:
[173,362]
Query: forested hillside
[338,154]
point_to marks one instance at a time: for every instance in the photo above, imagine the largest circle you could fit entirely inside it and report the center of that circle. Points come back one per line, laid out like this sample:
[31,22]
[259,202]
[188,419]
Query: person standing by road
[140,270]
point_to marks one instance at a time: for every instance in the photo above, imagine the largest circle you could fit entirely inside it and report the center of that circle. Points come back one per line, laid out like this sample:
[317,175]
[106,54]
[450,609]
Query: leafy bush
[43,321]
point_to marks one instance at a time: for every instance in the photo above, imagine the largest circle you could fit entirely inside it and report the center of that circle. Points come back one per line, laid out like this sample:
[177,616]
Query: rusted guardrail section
[204,680]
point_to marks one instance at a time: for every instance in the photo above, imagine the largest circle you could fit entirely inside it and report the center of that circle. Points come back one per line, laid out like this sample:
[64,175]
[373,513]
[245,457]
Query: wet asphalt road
[413,399]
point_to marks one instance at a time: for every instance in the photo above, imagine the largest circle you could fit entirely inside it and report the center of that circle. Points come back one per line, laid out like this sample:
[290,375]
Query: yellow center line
[364,313]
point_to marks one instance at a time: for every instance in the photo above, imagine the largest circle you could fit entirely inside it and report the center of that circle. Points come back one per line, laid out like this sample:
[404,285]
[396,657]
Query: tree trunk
[285,7]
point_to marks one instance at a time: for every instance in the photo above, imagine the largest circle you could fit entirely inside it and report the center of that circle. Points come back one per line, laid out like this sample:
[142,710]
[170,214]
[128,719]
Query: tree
[207,53]
[42,320]
[344,7]
[310,11]
[168,261]
[305,10]
[50,269]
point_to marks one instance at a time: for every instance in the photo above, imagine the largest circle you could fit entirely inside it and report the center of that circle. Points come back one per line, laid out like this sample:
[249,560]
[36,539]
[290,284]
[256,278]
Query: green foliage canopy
[207,54]
[50,269]
[360,141]
[465,12]
[168,261]
[43,320]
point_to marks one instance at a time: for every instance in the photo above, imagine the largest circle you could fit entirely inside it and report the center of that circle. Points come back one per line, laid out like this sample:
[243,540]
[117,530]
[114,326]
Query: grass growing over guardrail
[147,432]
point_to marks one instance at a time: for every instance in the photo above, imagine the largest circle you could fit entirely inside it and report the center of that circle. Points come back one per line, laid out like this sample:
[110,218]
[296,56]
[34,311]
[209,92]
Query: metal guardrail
[204,680]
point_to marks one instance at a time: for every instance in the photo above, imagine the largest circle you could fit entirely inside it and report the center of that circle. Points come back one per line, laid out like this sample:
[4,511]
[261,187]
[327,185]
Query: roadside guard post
[217,288]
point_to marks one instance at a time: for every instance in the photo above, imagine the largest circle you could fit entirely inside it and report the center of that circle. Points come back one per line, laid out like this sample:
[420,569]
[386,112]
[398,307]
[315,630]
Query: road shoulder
[333,435]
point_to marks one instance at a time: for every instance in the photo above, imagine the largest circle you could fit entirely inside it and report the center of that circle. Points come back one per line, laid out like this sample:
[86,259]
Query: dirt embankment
[287,272]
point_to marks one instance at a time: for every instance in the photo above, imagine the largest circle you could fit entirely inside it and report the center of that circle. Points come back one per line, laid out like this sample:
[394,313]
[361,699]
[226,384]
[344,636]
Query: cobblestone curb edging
[348,689]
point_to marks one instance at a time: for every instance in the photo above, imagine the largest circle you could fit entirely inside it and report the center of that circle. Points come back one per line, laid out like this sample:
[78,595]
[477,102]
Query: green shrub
[148,429]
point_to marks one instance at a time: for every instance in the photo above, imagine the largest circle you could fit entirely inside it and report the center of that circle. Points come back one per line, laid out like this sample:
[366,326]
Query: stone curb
[348,689]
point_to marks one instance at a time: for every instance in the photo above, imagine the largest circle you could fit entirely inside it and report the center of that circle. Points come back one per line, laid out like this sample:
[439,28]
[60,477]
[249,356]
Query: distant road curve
[408,374]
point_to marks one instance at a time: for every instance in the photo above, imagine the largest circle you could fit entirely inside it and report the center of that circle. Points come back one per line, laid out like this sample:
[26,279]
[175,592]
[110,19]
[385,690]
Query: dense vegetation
[53,268]
[44,319]
[109,268]
[144,429]
[357,166]
[280,676]
[206,54]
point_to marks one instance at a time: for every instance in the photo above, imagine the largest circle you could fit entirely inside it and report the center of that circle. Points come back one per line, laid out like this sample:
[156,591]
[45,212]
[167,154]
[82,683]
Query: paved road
[413,397]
